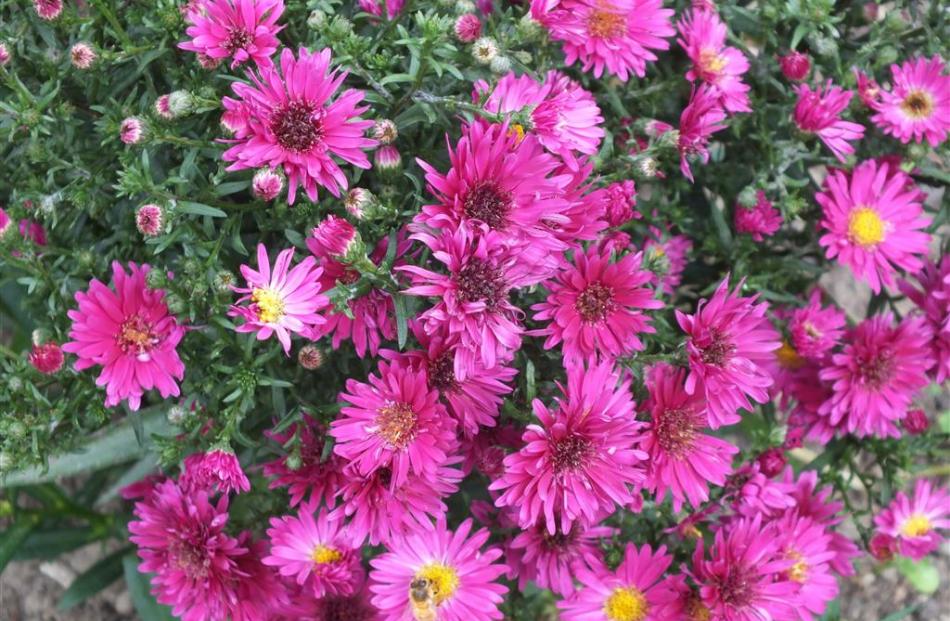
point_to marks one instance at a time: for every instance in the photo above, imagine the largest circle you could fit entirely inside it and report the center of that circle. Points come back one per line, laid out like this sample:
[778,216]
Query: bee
[422,600]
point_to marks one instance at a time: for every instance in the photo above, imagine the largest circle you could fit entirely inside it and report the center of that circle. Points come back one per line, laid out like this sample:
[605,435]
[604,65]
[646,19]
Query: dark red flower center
[238,39]
[488,202]
[595,303]
[718,349]
[442,372]
[556,542]
[191,558]
[876,368]
[570,453]
[735,589]
[480,281]
[396,423]
[675,430]
[136,336]
[298,126]
[348,277]
[342,609]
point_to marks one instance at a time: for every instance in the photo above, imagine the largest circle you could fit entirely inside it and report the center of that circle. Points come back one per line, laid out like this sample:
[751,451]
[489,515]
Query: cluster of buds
[175,105]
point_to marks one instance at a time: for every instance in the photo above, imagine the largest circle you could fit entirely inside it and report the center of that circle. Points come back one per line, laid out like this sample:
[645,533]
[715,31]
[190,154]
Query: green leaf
[200,209]
[96,578]
[944,421]
[44,544]
[921,574]
[402,323]
[117,445]
[903,613]
[145,604]
[12,537]
[136,473]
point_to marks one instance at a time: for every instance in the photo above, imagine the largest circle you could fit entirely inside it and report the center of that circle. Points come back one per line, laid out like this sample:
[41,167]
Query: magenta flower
[703,37]
[868,89]
[267,184]
[596,307]
[795,65]
[452,566]
[933,301]
[729,346]
[82,55]
[760,221]
[333,238]
[48,9]
[131,130]
[315,552]
[395,422]
[203,573]
[562,114]
[552,561]
[818,112]
[873,218]
[214,471]
[877,375]
[285,118]
[701,118]
[46,358]
[282,301]
[313,477]
[635,591]
[808,546]
[616,35]
[918,105]
[914,522]
[621,198]
[150,220]
[240,29]
[582,460]
[671,251]
[5,55]
[468,28]
[305,607]
[816,330]
[682,459]
[128,331]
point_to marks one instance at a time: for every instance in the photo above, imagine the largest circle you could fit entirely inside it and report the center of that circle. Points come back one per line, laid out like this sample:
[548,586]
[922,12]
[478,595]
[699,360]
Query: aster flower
[305,607]
[282,301]
[616,35]
[552,561]
[203,573]
[701,118]
[816,330]
[267,184]
[703,37]
[447,574]
[795,65]
[581,461]
[877,375]
[873,218]
[396,422]
[729,345]
[131,130]
[375,7]
[918,105]
[807,544]
[240,29]
[82,55]
[933,301]
[485,452]
[163,107]
[621,198]
[46,358]
[682,459]
[334,238]
[762,219]
[128,331]
[818,112]
[671,252]
[467,27]
[585,217]
[914,521]
[760,495]
[745,577]
[596,307]
[214,471]
[48,9]
[5,55]
[635,591]
[559,111]
[315,552]
[868,89]
[285,118]
[150,220]
[305,471]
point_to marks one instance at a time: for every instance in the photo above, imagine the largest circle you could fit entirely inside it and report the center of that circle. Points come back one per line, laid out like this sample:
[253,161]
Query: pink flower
[933,301]
[214,471]
[128,331]
[267,184]
[48,9]
[285,119]
[394,422]
[621,200]
[47,358]
[743,578]
[283,301]
[877,374]
[333,238]
[915,422]
[203,573]
[32,231]
[771,462]
[559,111]
[315,552]
[305,471]
[818,112]
[808,546]
[618,35]
[305,607]
[5,55]
[131,130]
[816,330]
[150,220]
[701,118]
[635,590]
[163,107]
[795,65]
[387,158]
[682,459]
[82,55]
[760,221]
[468,28]
[596,307]
[375,7]
[882,547]
[868,89]
[873,218]
[703,37]
[914,522]
[730,341]
[552,561]
[240,29]
[671,252]
[918,105]
[581,461]
[444,573]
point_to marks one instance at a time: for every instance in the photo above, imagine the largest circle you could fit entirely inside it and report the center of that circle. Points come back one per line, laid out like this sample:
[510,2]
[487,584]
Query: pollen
[675,430]
[788,358]
[516,129]
[798,572]
[626,604]
[918,104]
[605,22]
[865,227]
[917,525]
[323,555]
[298,126]
[270,305]
[443,581]
[396,423]
[136,337]
[595,303]
[711,61]
[569,454]
[488,202]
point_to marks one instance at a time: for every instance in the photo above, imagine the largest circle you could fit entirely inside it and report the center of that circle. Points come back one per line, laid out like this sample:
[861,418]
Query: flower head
[150,220]
[334,238]
[933,301]
[818,111]
[762,219]
[552,561]
[795,65]
[816,330]
[82,55]
[214,471]
[48,9]
[47,358]
[918,105]
[128,331]
[5,55]
[468,27]
[808,545]
[868,89]
[703,37]
[131,130]
[915,521]
[238,29]
[267,184]
[701,118]
[163,107]
[305,471]
[668,253]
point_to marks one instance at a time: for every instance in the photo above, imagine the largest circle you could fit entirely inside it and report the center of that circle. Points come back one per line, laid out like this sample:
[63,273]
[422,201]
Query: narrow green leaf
[402,323]
[200,209]
[45,544]
[96,578]
[903,613]
[144,603]
[136,473]
[12,537]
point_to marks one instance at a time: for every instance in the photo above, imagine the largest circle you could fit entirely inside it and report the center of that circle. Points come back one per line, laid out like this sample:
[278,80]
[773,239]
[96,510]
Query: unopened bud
[310,357]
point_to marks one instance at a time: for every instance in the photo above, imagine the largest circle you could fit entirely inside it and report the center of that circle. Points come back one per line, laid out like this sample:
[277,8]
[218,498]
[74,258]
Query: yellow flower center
[442,581]
[711,61]
[799,571]
[918,104]
[788,358]
[515,129]
[396,423]
[323,554]
[658,250]
[696,610]
[865,227]
[626,604]
[270,306]
[916,525]
[605,22]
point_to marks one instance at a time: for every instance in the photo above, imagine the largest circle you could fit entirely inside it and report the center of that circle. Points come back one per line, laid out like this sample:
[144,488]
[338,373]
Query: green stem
[451,103]
[107,12]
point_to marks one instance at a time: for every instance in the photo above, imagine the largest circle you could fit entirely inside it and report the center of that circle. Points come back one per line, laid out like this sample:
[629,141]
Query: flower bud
[149,220]
[484,50]
[48,9]
[647,167]
[6,224]
[468,28]
[163,108]
[795,66]
[180,103]
[385,131]
[176,414]
[4,54]
[500,64]
[387,158]
[132,130]
[872,12]
[267,184]
[771,462]
[523,57]
[915,422]
[156,279]
[359,203]
[316,19]
[337,239]
[887,55]
[310,357]
[882,547]
[528,27]
[748,197]
[207,62]
[82,55]
[462,6]
[223,281]
[47,358]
